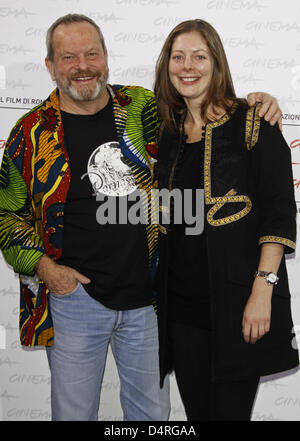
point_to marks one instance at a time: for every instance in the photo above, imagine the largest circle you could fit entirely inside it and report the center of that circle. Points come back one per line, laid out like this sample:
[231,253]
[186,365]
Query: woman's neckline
[195,142]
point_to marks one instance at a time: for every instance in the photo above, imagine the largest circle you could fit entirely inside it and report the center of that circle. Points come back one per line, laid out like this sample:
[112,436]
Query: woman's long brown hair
[221,91]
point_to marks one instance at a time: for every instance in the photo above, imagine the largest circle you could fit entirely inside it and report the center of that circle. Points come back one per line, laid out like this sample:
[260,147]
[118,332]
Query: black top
[188,271]
[113,256]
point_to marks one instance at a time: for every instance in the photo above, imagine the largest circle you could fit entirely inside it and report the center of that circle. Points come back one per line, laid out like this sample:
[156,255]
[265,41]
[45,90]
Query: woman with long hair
[223,298]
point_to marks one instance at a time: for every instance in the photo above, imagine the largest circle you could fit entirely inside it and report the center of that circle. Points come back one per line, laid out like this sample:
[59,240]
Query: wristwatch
[271,278]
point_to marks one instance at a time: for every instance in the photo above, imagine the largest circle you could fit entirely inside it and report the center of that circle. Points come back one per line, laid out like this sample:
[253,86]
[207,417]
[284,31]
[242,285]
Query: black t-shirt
[188,268]
[114,256]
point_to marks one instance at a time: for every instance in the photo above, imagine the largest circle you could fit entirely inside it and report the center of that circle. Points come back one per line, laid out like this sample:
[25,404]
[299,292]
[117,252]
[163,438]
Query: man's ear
[50,68]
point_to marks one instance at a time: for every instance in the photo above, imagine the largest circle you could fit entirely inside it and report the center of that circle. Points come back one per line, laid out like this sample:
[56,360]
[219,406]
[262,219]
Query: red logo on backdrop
[294,144]
[2,143]
[296,183]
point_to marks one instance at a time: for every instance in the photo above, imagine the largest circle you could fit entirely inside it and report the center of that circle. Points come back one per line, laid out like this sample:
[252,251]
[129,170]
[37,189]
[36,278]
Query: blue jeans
[83,330]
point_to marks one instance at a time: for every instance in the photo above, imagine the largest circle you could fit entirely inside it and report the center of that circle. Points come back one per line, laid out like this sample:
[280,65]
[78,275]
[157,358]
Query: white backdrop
[261,38]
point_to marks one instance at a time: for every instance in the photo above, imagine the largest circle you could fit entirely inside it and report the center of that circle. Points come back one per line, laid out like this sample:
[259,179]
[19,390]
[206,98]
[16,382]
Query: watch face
[272,278]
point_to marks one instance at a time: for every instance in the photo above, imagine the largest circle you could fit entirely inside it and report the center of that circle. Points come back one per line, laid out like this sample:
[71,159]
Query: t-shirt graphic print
[108,172]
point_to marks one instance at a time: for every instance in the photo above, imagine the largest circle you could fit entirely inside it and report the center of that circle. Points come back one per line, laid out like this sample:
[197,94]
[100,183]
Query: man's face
[79,66]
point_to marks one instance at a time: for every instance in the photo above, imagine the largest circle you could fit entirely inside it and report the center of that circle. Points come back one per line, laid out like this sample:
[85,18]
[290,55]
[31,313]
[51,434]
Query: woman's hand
[270,109]
[257,313]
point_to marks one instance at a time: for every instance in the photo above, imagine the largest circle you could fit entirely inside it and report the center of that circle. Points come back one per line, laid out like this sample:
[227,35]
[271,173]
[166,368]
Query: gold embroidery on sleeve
[277,239]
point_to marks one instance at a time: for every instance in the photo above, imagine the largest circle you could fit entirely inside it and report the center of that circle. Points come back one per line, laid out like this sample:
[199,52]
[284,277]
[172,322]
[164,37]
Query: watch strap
[265,275]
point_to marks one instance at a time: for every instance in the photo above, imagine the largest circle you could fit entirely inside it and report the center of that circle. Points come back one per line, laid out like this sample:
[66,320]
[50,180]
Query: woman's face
[190,66]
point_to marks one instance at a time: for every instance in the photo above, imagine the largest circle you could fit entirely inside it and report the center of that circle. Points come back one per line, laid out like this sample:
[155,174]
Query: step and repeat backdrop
[262,41]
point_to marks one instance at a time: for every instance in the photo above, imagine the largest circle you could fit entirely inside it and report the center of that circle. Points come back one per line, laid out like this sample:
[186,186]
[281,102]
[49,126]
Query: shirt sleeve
[21,246]
[273,178]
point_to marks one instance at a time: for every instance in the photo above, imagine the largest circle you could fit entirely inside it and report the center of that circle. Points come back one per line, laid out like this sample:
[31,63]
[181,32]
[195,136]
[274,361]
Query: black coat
[249,200]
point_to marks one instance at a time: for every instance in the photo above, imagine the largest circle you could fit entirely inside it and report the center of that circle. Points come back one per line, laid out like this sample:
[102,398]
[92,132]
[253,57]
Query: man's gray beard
[86,94]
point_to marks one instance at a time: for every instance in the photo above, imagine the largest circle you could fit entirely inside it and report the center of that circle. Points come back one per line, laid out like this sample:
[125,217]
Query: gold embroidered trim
[231,196]
[276,239]
[252,126]
[162,229]
[228,198]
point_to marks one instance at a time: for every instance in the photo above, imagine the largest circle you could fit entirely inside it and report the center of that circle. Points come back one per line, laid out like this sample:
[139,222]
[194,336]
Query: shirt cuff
[291,246]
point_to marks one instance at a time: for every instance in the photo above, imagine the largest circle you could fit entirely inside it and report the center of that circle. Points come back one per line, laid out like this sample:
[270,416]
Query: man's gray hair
[70,19]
